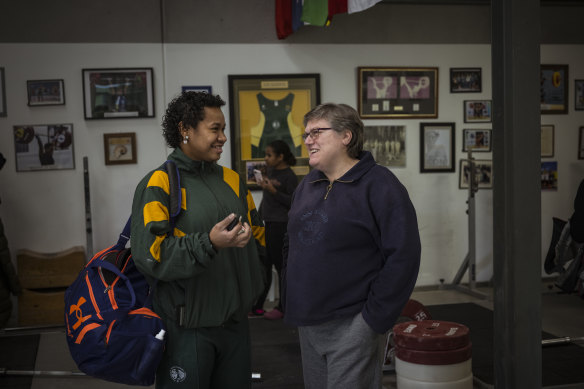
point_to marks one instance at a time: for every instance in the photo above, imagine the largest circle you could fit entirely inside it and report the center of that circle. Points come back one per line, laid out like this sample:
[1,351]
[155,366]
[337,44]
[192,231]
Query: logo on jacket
[177,374]
[312,227]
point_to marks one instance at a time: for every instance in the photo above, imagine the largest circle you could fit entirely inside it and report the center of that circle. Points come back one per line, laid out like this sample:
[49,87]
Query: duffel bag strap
[114,269]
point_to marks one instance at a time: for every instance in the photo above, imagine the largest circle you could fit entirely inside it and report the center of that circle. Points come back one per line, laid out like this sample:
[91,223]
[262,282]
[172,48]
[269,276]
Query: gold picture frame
[267,107]
[397,92]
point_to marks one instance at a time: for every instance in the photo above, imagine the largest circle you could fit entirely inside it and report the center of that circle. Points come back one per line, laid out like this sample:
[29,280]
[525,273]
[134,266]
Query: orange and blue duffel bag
[112,332]
[111,328]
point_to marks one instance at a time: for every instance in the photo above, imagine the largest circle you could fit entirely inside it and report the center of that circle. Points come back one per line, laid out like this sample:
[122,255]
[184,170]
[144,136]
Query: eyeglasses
[315,132]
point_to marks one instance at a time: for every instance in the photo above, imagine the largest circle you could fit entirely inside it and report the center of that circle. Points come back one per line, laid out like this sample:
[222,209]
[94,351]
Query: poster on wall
[387,144]
[554,89]
[265,108]
[43,147]
[549,175]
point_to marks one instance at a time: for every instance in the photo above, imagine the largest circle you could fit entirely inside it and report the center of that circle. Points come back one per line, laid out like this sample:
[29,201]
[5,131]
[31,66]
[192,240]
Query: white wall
[44,211]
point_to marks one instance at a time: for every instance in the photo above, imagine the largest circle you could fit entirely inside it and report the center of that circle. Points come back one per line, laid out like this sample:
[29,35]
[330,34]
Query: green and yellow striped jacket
[213,286]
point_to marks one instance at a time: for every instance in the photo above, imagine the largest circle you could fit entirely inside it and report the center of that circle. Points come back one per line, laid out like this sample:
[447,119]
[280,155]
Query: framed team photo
[477,111]
[466,80]
[387,144]
[45,92]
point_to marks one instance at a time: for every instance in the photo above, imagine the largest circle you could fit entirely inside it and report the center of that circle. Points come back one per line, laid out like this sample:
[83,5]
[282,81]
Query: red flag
[283,18]
[337,7]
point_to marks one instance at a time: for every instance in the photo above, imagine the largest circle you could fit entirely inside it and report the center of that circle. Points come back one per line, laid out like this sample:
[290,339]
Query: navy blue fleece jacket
[353,246]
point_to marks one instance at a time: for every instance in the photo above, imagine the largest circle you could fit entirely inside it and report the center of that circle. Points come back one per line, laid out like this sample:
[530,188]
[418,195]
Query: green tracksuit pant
[206,358]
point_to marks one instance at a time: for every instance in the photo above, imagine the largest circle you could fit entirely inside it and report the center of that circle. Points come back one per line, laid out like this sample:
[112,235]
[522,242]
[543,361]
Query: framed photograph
[397,92]
[43,147]
[479,140]
[251,167]
[477,111]
[387,144]
[206,88]
[436,147]
[579,95]
[549,175]
[45,92]
[120,148]
[466,80]
[547,141]
[581,144]
[2,93]
[267,107]
[554,89]
[118,93]
[483,174]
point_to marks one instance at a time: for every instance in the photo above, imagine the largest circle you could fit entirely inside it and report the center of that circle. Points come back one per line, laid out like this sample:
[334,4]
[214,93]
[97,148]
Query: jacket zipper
[328,189]
[330,186]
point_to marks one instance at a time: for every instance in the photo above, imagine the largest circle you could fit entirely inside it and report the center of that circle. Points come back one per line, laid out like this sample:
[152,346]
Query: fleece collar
[366,162]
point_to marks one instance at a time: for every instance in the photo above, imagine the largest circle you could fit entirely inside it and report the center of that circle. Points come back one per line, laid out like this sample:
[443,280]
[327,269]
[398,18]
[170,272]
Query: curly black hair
[188,108]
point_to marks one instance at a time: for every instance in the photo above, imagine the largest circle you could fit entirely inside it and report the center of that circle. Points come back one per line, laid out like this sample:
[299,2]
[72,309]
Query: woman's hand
[269,185]
[220,237]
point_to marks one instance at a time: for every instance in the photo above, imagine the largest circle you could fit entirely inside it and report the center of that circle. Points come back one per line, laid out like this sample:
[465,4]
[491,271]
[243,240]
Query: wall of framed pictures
[397,141]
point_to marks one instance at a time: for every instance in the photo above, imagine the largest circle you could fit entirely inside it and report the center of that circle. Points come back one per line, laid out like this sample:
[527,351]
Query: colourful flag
[283,18]
[315,12]
[360,5]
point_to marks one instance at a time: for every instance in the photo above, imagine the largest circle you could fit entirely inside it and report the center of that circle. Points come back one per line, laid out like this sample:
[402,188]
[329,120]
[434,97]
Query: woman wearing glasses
[352,254]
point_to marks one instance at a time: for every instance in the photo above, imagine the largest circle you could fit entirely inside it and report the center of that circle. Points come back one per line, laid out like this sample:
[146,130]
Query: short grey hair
[341,117]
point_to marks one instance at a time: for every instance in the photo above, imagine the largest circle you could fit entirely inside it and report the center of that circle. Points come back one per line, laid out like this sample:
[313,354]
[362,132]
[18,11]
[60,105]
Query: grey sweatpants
[342,353]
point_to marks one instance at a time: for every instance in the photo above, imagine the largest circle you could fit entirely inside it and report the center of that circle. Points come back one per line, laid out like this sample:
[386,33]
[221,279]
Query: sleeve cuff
[208,246]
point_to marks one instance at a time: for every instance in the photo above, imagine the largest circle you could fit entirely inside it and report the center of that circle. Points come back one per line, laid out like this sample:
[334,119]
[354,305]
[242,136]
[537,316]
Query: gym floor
[562,315]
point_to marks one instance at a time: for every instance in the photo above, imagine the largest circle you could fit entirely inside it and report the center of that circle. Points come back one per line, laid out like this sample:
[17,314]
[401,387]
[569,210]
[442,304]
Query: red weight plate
[431,335]
[415,311]
[441,357]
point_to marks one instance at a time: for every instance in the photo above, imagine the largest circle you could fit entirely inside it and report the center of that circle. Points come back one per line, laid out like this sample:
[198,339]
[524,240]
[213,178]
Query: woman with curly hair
[208,275]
